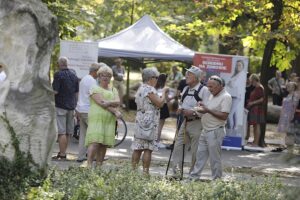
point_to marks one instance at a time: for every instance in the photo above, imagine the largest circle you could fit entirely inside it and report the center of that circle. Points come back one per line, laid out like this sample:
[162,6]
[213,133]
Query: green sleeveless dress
[101,123]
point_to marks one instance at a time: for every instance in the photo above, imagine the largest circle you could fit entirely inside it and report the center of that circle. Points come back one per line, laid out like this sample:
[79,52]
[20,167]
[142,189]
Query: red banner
[209,62]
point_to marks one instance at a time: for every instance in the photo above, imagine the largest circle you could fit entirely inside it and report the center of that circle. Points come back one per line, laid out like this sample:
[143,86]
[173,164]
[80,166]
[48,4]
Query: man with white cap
[215,113]
[83,106]
[191,127]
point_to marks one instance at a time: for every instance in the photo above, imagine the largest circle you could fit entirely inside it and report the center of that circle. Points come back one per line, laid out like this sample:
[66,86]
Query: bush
[82,183]
[17,174]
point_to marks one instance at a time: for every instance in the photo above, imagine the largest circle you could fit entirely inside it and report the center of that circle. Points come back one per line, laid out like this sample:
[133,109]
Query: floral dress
[144,104]
[289,105]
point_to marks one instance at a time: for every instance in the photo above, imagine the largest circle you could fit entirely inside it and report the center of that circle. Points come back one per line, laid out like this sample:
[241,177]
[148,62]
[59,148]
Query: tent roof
[144,39]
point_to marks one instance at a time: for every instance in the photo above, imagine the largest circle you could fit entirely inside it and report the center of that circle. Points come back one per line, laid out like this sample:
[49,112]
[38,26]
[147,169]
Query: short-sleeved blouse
[144,104]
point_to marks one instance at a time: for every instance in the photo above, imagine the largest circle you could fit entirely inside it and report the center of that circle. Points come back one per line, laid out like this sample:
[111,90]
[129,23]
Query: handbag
[145,126]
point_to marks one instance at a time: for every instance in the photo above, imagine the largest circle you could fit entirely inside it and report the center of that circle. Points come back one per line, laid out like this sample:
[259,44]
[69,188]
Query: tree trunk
[265,65]
[296,65]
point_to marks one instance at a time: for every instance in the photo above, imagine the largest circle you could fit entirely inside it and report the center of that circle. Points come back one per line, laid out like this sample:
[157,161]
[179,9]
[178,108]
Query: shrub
[116,183]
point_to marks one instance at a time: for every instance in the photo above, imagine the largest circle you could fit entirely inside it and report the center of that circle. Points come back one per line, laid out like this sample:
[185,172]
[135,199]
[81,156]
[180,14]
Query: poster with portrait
[233,69]
[80,54]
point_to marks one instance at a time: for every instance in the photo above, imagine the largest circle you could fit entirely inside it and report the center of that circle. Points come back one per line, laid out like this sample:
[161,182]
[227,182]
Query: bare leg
[101,154]
[136,155]
[256,130]
[160,127]
[91,153]
[146,161]
[63,143]
[248,133]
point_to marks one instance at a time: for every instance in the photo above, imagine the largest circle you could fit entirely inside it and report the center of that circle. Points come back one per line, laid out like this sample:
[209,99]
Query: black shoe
[81,160]
[170,147]
[59,157]
[279,149]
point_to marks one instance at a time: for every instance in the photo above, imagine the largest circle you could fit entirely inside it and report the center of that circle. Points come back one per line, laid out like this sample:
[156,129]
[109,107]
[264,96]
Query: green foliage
[238,27]
[117,183]
[16,174]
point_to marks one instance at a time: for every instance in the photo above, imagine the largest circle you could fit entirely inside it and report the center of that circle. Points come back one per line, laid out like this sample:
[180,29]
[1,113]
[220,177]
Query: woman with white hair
[147,118]
[102,117]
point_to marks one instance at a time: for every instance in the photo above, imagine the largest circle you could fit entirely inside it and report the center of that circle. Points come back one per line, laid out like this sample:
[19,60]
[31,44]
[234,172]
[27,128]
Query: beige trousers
[189,132]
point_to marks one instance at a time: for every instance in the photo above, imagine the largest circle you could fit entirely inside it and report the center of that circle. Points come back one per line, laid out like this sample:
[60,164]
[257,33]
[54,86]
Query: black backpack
[196,96]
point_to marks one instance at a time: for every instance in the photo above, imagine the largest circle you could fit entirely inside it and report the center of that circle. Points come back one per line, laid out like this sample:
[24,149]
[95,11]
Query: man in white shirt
[2,74]
[215,113]
[193,93]
[83,106]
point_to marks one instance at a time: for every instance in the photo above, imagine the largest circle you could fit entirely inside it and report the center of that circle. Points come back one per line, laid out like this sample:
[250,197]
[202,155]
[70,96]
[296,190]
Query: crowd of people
[202,115]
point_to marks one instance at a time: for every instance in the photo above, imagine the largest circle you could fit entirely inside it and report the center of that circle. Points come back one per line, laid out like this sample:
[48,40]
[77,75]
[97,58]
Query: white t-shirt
[86,83]
[2,76]
[221,102]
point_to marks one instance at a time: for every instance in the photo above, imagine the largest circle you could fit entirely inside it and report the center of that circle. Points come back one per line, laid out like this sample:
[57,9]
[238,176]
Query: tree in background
[267,31]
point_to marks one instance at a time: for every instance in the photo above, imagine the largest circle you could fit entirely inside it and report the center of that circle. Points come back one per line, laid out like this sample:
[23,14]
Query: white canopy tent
[144,40]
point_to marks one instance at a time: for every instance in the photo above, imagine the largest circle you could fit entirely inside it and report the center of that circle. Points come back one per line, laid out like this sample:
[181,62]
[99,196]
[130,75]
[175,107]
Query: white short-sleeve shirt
[85,85]
[221,102]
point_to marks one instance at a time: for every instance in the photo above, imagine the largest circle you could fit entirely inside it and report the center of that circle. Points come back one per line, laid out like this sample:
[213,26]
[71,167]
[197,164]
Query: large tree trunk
[296,65]
[28,32]
[265,65]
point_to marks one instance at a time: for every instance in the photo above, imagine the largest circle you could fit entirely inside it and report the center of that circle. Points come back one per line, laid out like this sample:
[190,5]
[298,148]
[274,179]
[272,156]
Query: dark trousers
[277,100]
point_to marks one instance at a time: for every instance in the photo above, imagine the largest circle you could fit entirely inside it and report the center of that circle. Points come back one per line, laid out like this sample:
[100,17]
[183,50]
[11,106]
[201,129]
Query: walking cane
[183,148]
[176,134]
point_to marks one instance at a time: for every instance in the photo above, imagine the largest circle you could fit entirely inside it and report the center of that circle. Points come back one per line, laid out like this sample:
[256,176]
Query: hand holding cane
[176,134]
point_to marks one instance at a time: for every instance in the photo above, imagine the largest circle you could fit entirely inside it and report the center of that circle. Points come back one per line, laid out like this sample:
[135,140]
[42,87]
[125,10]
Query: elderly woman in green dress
[102,117]
[147,119]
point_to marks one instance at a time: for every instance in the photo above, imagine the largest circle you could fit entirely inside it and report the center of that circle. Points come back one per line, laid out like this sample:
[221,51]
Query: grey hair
[63,61]
[148,73]
[218,79]
[96,66]
[105,69]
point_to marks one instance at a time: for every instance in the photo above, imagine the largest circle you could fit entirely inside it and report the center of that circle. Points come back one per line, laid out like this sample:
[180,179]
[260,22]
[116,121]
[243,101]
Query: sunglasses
[216,79]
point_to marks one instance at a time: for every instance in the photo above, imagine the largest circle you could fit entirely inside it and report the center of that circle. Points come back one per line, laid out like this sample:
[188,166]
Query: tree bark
[265,65]
[296,65]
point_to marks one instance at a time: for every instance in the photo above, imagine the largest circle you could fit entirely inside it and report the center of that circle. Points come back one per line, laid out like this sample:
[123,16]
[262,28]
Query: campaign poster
[80,54]
[233,70]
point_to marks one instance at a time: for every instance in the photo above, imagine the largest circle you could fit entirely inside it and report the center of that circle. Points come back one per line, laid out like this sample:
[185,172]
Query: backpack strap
[196,96]
[186,92]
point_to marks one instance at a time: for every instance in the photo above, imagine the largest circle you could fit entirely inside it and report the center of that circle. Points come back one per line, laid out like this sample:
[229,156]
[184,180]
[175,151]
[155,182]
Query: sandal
[279,149]
[59,157]
[249,144]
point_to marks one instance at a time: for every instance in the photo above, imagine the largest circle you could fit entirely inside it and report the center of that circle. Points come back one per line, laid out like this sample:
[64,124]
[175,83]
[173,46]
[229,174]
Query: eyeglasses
[217,79]
[156,77]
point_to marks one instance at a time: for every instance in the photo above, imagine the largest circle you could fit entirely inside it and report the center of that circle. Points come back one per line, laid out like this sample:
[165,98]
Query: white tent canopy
[144,39]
